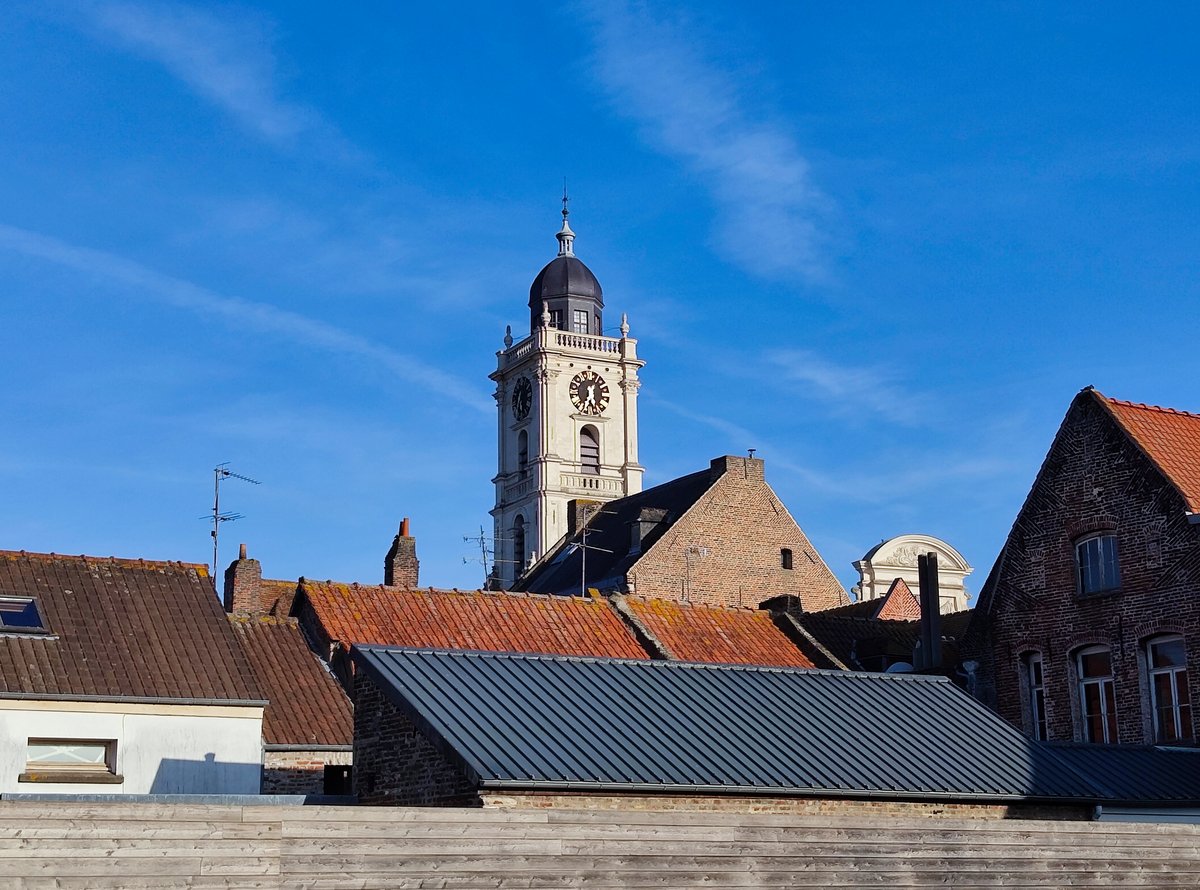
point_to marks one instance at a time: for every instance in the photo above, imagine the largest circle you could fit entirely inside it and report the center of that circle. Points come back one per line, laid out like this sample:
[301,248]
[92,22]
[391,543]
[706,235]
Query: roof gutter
[137,699]
[300,747]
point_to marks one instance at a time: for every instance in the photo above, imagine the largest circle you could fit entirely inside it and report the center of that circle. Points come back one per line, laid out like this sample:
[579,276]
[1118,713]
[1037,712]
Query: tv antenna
[583,547]
[222,472]
[487,553]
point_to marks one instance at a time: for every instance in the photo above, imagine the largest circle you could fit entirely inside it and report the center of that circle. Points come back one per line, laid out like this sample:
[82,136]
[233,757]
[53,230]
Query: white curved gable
[897,558]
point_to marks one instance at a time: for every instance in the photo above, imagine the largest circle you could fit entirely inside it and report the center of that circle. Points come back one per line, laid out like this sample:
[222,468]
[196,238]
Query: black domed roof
[563,276]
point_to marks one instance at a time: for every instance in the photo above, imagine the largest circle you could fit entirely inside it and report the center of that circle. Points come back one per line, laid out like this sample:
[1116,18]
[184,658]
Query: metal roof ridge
[849,676]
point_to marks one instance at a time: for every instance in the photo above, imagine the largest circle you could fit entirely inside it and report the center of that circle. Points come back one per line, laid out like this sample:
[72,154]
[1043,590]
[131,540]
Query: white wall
[161,749]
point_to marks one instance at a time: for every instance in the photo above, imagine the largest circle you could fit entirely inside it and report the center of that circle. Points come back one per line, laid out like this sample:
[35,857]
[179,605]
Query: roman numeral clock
[567,411]
[589,393]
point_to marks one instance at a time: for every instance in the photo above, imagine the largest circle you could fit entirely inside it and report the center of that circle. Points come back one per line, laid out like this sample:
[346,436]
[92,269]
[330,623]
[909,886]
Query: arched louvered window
[518,539]
[589,450]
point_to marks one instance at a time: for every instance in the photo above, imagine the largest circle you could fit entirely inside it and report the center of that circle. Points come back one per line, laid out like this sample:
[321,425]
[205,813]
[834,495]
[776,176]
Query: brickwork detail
[395,763]
[727,550]
[790,806]
[1094,478]
[299,772]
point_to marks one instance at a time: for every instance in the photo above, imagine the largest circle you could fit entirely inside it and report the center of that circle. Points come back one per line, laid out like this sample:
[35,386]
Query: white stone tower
[566,397]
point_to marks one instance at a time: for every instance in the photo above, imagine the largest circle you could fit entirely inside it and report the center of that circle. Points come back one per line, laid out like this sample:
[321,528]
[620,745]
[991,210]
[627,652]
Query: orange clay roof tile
[1170,438]
[495,622]
[718,635]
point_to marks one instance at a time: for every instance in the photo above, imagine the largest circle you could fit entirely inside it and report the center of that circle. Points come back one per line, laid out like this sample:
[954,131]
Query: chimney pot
[241,551]
[404,528]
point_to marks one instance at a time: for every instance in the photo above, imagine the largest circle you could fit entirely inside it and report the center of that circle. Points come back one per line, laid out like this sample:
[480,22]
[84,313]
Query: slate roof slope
[606,724]
[1170,438]
[121,629]
[307,706]
[608,532]
[451,619]
[717,635]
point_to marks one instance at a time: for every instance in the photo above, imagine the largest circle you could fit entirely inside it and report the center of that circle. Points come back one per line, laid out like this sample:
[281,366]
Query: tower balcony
[591,485]
[566,341]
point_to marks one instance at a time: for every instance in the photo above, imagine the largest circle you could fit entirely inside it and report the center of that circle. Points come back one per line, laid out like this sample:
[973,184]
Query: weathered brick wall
[394,763]
[299,772]
[794,806]
[1093,478]
[744,527]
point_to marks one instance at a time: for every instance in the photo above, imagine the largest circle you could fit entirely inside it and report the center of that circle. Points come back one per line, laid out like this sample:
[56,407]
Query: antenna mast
[221,472]
[487,552]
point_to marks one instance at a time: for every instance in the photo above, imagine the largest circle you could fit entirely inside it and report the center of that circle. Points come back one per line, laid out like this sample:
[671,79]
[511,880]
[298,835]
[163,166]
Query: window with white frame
[1035,694]
[1166,659]
[1097,695]
[579,321]
[1097,564]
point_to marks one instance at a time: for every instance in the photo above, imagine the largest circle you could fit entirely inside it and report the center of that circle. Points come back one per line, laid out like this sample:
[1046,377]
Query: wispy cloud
[246,314]
[889,485]
[770,211]
[856,389]
[225,59]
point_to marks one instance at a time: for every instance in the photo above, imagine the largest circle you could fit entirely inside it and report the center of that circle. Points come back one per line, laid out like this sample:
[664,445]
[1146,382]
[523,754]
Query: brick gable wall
[1093,478]
[744,526]
[395,763]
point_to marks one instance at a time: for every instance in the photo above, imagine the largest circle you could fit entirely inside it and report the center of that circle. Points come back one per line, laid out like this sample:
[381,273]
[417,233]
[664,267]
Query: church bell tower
[566,399]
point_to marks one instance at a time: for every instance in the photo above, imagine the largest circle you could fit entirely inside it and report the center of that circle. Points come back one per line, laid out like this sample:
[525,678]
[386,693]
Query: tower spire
[566,238]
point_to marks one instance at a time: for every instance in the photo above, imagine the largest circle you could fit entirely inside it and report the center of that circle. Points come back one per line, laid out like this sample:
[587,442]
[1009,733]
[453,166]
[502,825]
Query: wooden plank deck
[69,846]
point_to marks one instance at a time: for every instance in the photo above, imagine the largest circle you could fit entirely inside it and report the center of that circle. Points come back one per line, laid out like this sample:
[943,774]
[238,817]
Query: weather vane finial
[566,238]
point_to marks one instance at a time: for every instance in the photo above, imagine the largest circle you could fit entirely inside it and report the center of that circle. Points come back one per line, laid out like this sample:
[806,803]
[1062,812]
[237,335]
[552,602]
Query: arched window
[785,558]
[589,450]
[1166,659]
[518,539]
[1035,694]
[523,452]
[1097,697]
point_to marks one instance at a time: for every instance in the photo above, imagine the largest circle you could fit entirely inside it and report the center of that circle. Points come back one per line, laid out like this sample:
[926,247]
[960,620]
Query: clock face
[522,398]
[589,393]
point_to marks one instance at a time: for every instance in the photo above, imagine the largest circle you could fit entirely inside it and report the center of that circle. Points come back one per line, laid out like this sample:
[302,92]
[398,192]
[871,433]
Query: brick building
[718,537]
[1088,627]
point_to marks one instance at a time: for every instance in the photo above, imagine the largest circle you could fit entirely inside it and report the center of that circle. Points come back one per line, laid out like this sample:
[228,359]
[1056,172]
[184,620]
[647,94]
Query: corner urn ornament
[589,393]
[522,398]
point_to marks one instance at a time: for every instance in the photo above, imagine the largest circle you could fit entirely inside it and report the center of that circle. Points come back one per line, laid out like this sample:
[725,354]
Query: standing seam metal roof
[521,721]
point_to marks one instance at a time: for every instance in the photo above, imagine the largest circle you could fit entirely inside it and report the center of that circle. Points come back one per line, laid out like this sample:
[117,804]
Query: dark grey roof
[608,724]
[1136,774]
[563,276]
[609,532]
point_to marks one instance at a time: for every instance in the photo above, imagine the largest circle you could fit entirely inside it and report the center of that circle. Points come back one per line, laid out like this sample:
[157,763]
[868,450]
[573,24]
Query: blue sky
[884,244]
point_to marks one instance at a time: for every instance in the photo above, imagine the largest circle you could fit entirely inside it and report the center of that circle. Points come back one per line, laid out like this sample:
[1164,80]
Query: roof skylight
[20,615]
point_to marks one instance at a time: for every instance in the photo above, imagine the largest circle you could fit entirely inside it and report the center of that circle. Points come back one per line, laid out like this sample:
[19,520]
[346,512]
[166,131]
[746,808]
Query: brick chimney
[243,584]
[579,511]
[401,567]
[745,467]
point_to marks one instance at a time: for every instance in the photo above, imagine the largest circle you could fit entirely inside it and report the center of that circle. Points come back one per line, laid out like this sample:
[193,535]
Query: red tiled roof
[718,635]
[899,603]
[1168,437]
[307,706]
[120,628]
[451,619]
